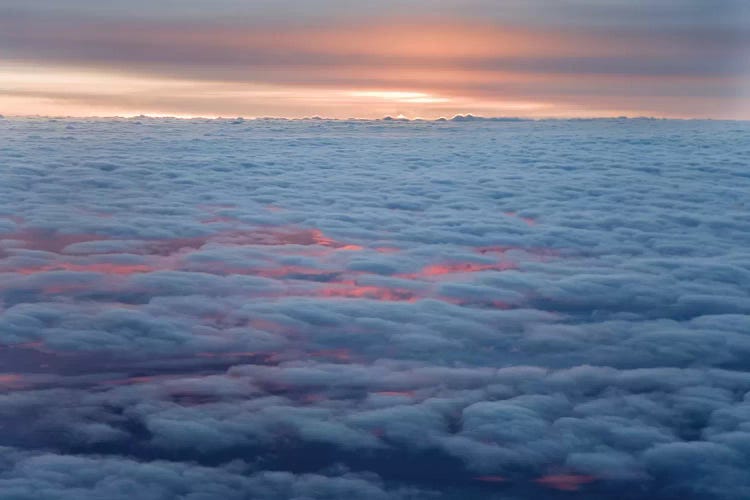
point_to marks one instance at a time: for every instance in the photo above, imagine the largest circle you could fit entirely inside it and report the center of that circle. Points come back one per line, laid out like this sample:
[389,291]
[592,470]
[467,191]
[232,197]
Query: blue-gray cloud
[194,309]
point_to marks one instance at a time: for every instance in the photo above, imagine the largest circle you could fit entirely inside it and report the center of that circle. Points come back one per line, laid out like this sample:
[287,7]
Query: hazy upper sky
[336,58]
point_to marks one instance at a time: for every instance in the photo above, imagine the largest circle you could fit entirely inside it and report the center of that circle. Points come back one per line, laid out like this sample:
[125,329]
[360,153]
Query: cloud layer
[374,309]
[673,58]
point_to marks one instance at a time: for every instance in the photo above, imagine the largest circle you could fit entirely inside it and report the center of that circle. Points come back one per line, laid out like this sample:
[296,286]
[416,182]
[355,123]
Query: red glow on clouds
[539,253]
[528,220]
[56,242]
[219,219]
[268,325]
[12,381]
[31,345]
[102,268]
[499,304]
[216,217]
[277,271]
[378,432]
[146,379]
[133,380]
[387,250]
[491,479]
[350,289]
[215,207]
[272,236]
[342,355]
[214,355]
[16,219]
[495,304]
[49,241]
[565,482]
[408,394]
[62,289]
[352,248]
[495,249]
[321,274]
[436,270]
[94,213]
[312,398]
[321,239]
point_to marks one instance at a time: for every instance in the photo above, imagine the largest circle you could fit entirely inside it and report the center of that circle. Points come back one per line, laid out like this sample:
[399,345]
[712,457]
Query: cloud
[677,59]
[43,476]
[373,309]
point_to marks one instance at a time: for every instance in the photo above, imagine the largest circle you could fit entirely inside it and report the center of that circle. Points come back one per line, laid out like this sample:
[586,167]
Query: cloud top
[323,309]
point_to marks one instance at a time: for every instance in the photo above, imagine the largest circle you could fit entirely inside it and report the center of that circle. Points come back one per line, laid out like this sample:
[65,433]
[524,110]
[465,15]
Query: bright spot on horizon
[284,59]
[396,96]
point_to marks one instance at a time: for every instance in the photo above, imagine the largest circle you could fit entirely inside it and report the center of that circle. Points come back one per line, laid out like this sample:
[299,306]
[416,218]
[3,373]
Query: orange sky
[81,65]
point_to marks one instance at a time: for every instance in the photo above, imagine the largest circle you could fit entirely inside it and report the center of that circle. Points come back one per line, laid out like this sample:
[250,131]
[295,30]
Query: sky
[341,59]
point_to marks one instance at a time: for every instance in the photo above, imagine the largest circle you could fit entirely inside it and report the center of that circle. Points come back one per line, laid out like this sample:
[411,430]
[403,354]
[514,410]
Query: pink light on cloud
[341,355]
[215,355]
[16,219]
[11,381]
[351,289]
[219,219]
[146,379]
[407,394]
[528,220]
[456,267]
[56,242]
[49,241]
[324,274]
[504,262]
[274,236]
[102,268]
[565,482]
[536,253]
[387,250]
[491,479]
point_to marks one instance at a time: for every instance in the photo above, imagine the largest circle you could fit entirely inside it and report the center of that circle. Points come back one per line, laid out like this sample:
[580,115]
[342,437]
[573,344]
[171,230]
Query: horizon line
[460,118]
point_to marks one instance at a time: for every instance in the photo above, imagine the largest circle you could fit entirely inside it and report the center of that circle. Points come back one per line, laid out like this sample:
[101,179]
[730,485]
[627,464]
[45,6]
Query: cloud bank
[197,309]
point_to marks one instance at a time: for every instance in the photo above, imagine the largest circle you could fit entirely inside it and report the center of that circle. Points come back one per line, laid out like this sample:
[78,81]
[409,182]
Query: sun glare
[399,96]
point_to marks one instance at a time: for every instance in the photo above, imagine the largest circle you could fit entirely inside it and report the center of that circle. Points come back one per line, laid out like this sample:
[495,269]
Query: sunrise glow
[482,60]
[374,250]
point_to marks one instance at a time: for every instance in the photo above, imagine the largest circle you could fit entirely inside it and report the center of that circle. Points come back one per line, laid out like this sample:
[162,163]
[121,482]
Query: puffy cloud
[54,476]
[233,309]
